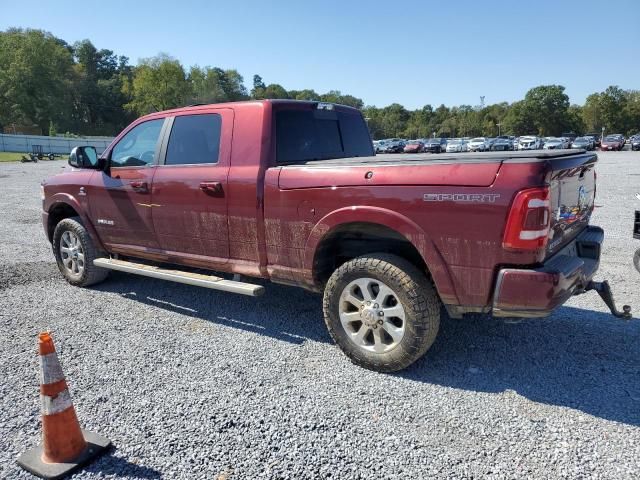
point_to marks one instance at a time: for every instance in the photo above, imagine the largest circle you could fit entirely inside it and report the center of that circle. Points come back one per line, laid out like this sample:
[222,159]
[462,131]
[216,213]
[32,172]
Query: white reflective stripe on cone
[50,369]
[57,404]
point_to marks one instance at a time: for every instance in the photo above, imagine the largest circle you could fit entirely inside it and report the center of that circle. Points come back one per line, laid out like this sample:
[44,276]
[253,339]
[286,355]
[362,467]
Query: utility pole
[498,125]
[482,102]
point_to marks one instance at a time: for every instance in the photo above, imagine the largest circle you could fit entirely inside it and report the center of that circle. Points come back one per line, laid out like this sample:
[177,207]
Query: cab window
[138,147]
[194,139]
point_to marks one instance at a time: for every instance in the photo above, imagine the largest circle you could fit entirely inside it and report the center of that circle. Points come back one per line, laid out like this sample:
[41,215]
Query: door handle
[140,187]
[212,188]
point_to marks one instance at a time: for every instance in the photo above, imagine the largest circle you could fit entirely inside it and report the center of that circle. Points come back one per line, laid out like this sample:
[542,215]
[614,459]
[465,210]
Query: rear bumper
[537,292]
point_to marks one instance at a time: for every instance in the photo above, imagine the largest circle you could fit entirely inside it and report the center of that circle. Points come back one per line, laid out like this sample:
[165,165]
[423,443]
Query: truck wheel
[636,259]
[381,311]
[75,253]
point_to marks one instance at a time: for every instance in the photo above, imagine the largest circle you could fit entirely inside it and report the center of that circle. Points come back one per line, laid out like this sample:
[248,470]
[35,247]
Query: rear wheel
[381,311]
[75,252]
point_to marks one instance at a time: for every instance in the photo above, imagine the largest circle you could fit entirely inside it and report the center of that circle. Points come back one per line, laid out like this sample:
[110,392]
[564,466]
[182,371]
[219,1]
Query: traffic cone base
[32,460]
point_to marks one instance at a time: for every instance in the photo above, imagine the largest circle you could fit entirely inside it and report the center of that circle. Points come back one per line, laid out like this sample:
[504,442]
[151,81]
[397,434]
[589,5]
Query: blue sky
[411,52]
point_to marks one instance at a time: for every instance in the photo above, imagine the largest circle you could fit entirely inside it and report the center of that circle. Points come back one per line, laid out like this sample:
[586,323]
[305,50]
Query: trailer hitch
[604,290]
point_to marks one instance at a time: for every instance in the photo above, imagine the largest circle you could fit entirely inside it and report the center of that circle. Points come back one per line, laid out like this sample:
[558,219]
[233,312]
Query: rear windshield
[304,135]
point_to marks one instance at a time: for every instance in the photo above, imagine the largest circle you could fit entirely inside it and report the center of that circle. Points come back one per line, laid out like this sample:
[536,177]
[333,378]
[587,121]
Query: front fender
[51,202]
[394,221]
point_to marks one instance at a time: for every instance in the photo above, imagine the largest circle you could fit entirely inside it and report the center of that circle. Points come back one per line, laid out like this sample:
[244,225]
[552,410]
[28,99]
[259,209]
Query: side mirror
[83,157]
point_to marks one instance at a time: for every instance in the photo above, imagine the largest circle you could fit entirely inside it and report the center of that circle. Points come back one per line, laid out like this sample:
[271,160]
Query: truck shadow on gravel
[580,359]
[284,313]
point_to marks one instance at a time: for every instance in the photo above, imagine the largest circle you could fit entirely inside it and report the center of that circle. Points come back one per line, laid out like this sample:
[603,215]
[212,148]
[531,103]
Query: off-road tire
[91,274]
[416,294]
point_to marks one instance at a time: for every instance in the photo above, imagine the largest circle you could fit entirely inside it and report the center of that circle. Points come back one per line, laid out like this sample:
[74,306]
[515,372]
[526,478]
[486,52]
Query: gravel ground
[190,383]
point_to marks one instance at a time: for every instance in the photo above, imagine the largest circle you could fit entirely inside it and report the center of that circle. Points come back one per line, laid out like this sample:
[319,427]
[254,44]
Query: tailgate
[572,195]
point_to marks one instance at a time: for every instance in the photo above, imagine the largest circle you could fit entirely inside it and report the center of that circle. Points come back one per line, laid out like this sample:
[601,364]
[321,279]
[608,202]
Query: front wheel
[381,311]
[75,252]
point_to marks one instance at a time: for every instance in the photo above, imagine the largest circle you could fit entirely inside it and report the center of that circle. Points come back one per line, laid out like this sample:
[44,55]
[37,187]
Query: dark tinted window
[194,139]
[303,135]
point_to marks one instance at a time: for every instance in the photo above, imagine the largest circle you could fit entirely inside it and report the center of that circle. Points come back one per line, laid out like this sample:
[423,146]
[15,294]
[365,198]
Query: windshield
[479,139]
[611,139]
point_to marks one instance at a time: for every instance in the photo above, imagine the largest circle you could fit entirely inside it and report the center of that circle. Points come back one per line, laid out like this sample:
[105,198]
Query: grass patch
[10,156]
[17,156]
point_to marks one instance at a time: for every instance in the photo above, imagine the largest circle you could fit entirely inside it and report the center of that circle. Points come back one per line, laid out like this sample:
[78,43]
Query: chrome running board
[179,276]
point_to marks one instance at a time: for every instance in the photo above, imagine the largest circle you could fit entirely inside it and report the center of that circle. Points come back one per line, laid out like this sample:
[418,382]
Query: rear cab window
[320,132]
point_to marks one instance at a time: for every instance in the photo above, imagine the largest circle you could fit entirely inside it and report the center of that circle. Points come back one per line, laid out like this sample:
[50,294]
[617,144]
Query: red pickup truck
[293,192]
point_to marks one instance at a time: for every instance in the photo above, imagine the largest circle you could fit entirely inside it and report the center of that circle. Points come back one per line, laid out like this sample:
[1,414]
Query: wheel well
[359,238]
[57,213]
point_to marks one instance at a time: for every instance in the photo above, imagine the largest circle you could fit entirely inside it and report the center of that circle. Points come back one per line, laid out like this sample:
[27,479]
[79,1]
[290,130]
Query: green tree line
[58,87]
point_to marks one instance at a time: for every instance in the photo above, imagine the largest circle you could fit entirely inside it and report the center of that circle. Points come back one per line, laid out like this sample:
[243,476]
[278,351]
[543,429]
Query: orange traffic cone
[64,445]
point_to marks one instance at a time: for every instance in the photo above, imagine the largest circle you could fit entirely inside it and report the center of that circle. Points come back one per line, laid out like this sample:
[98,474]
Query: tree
[35,78]
[393,120]
[335,96]
[98,91]
[258,87]
[273,90]
[614,109]
[304,95]
[158,83]
[214,85]
[419,124]
[518,120]
[547,106]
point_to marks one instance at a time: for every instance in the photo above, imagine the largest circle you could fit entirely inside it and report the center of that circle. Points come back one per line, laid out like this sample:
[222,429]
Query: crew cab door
[190,188]
[120,198]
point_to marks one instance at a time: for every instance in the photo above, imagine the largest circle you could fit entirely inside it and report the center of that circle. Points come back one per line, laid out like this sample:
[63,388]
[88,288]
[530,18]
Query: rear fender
[394,221]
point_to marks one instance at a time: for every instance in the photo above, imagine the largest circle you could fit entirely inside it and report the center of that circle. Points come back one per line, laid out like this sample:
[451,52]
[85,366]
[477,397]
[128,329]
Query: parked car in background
[436,145]
[456,145]
[478,144]
[584,143]
[596,138]
[530,142]
[414,146]
[393,146]
[553,143]
[635,142]
[502,144]
[612,142]
[570,137]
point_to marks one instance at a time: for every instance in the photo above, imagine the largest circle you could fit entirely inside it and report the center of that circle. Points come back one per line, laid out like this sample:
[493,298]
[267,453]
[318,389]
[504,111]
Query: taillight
[528,222]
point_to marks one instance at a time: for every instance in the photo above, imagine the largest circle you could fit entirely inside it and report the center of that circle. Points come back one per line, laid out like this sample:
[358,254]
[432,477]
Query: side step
[179,276]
